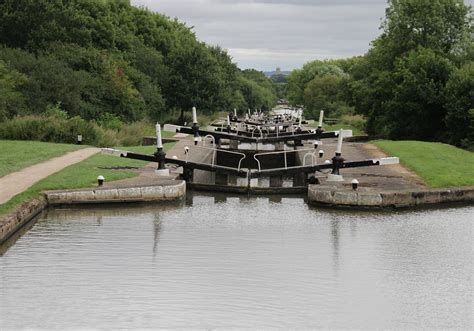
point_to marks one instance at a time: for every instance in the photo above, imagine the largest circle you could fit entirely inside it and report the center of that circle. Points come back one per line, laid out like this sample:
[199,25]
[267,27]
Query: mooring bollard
[321,153]
[355,183]
[337,161]
[100,180]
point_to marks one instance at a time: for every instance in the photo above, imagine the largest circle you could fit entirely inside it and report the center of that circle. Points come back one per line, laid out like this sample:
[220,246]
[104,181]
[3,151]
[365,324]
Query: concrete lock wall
[125,194]
[20,216]
[322,195]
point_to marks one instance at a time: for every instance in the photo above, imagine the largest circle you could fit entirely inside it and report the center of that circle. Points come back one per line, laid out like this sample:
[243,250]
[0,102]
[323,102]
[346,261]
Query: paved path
[388,177]
[17,182]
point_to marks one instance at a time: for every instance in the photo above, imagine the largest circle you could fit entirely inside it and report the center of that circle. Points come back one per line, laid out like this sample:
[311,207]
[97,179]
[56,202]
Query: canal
[216,261]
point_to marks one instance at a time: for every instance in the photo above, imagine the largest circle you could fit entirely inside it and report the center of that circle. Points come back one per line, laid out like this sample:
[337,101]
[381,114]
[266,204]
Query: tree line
[415,82]
[108,61]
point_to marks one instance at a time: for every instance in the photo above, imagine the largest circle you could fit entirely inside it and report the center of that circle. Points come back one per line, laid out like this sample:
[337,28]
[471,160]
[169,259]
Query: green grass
[439,165]
[83,174]
[16,155]
[167,134]
[336,127]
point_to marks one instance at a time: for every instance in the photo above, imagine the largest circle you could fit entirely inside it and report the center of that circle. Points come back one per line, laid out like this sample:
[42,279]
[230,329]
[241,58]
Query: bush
[50,129]
[356,121]
[132,134]
[110,121]
[63,130]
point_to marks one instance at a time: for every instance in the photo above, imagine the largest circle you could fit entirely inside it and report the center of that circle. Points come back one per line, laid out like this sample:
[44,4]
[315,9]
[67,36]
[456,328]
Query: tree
[108,57]
[323,93]
[298,79]
[418,87]
[400,83]
[12,102]
[460,106]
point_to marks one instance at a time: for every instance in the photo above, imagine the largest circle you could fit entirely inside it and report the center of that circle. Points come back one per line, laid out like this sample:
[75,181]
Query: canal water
[240,262]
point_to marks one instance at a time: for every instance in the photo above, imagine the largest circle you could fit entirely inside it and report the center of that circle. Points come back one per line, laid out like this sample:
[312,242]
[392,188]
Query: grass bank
[83,174]
[356,123]
[439,165]
[16,155]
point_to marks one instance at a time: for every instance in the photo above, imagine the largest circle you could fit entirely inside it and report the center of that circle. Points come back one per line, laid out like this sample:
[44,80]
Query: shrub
[50,129]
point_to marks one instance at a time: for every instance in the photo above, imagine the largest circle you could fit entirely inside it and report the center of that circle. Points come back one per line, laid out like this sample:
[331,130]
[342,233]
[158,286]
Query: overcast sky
[266,34]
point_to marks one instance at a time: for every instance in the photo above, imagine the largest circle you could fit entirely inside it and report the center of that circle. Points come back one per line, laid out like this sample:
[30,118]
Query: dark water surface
[240,262]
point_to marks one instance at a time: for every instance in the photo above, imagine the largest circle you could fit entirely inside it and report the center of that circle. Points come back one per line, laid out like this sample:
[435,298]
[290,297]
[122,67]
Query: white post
[159,142]
[228,120]
[299,119]
[235,112]
[339,142]
[195,120]
[321,115]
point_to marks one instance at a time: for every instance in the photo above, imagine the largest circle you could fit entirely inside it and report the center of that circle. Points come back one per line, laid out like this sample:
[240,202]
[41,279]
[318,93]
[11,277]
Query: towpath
[17,182]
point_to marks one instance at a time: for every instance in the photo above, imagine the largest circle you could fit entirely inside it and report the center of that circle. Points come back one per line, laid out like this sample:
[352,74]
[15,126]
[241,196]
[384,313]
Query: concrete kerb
[324,195]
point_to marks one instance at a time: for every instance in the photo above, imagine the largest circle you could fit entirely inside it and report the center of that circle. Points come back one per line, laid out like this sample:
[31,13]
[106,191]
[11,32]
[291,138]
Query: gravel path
[17,182]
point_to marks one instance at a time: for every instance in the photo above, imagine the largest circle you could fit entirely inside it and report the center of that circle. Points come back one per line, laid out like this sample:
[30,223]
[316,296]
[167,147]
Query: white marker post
[339,142]
[195,120]
[195,127]
[159,142]
[235,112]
[321,116]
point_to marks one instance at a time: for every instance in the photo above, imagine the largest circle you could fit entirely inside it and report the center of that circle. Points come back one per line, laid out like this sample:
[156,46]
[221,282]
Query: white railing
[189,155]
[213,140]
[285,158]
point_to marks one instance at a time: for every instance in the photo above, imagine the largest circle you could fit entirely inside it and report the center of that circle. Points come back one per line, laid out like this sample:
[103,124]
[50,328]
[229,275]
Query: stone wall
[326,195]
[20,216]
[121,194]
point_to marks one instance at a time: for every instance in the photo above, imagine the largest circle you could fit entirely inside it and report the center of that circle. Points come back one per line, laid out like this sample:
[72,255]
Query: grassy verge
[335,127]
[16,155]
[356,123]
[83,174]
[439,165]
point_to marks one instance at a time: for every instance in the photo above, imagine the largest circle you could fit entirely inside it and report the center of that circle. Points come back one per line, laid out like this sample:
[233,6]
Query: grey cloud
[264,34]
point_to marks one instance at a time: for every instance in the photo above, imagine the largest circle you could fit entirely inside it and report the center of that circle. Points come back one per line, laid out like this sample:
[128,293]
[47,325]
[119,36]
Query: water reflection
[156,232]
[335,244]
[240,262]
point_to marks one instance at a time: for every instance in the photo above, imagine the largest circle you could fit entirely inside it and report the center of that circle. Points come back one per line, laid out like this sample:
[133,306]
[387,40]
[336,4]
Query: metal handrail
[284,152]
[314,159]
[214,151]
[257,128]
[213,140]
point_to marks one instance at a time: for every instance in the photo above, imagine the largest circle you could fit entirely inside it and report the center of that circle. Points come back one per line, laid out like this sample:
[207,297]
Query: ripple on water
[240,262]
